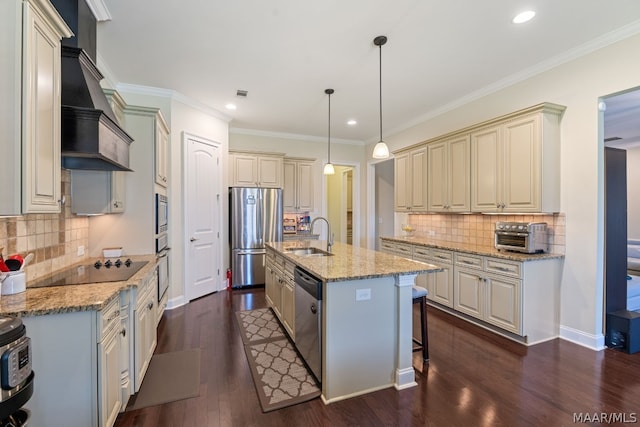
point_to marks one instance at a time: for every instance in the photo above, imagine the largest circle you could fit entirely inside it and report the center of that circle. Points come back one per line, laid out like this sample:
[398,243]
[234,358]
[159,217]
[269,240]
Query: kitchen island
[366,314]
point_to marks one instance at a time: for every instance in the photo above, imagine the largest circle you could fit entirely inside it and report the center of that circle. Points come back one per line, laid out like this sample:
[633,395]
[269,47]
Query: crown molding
[298,137]
[99,10]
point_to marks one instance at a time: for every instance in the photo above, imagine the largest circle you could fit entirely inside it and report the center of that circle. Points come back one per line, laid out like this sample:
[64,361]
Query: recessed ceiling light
[231,106]
[352,122]
[524,17]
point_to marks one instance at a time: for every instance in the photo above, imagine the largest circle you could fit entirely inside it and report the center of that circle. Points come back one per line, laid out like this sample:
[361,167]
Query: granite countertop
[70,298]
[350,262]
[472,249]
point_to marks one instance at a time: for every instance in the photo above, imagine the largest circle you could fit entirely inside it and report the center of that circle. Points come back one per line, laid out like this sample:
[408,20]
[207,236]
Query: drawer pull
[464,261]
[502,268]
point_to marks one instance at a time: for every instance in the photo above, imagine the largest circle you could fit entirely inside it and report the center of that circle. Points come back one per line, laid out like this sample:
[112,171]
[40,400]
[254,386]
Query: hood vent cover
[91,137]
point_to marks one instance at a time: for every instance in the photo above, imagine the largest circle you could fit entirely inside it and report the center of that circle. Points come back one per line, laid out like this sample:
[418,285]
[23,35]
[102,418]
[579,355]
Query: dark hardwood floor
[474,378]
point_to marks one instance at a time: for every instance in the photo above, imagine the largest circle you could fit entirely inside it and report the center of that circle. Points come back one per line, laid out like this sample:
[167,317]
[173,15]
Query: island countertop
[349,262]
[70,298]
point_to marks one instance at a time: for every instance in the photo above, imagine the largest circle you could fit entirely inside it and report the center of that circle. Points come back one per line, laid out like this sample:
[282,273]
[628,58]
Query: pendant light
[328,168]
[380,151]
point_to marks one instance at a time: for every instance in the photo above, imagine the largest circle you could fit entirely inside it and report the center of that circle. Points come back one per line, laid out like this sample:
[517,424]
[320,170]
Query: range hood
[91,136]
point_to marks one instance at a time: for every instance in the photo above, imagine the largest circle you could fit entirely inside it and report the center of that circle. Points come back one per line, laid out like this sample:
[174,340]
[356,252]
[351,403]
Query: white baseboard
[594,342]
[176,302]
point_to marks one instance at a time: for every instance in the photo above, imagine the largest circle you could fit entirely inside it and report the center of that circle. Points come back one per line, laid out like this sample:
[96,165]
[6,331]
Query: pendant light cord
[329,133]
[380,91]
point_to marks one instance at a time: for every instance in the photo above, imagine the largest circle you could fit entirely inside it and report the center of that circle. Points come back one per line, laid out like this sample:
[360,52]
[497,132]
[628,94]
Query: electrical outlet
[80,250]
[363,294]
[432,233]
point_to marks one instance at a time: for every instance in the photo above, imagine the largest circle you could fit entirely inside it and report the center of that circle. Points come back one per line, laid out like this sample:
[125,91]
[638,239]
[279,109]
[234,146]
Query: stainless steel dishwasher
[309,320]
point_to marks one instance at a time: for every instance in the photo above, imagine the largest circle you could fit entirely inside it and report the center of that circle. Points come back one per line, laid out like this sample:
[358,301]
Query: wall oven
[162,243]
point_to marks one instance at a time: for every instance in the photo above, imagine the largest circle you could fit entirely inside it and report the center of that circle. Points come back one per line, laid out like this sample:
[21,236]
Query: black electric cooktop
[99,272]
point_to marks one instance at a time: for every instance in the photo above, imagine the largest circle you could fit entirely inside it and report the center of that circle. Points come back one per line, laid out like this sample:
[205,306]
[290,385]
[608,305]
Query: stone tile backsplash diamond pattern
[53,238]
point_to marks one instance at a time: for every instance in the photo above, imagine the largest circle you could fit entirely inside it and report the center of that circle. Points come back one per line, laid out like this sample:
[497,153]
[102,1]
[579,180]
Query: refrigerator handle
[259,208]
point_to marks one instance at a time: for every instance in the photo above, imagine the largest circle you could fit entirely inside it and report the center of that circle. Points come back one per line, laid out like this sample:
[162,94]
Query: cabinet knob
[123,332]
[150,305]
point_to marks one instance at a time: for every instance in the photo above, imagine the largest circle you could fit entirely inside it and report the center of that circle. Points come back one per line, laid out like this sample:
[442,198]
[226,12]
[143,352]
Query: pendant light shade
[380,151]
[328,168]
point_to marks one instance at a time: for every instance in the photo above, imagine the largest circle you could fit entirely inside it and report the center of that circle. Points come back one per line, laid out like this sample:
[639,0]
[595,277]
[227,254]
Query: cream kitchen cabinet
[145,333]
[280,290]
[439,285]
[30,106]
[448,175]
[97,192]
[297,193]
[515,162]
[161,151]
[517,299]
[109,357]
[411,180]
[251,169]
[490,297]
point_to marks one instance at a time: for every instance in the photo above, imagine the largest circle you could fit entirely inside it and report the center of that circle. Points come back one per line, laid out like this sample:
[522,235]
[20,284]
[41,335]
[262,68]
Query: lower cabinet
[519,299]
[487,296]
[145,334]
[280,290]
[109,350]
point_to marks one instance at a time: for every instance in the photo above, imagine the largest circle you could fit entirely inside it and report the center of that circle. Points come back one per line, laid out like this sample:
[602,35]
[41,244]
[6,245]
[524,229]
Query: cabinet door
[503,303]
[289,190]
[459,175]
[441,288]
[118,191]
[304,182]
[288,307]
[109,381]
[41,115]
[245,170]
[270,172]
[437,173]
[486,170]
[269,285]
[522,165]
[468,292]
[418,179]
[402,182]
[161,152]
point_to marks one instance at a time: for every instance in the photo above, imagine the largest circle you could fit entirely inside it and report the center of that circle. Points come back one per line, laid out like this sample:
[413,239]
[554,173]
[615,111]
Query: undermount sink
[307,252]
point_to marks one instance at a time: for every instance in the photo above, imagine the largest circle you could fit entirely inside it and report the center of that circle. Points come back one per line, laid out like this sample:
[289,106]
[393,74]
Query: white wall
[384,200]
[577,84]
[633,193]
[182,117]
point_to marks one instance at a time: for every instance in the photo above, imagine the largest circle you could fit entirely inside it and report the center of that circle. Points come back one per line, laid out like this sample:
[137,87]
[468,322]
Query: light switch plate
[363,294]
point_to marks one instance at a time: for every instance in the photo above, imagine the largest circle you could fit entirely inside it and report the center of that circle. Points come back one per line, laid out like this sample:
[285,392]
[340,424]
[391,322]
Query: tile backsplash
[479,229]
[54,239]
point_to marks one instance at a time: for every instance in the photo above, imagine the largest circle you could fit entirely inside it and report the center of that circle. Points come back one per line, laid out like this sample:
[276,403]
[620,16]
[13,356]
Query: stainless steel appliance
[308,307]
[162,222]
[255,216]
[163,273]
[527,237]
[16,375]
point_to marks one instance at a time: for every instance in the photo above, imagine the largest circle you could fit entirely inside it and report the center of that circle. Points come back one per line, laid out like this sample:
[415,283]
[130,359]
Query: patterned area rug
[279,374]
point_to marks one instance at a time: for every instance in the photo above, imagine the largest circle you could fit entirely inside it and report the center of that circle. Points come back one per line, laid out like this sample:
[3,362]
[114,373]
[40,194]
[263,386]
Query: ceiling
[285,53]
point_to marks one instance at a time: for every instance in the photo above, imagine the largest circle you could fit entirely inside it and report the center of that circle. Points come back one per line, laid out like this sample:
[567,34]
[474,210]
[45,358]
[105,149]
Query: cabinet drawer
[467,260]
[109,316]
[502,267]
[387,246]
[439,255]
[403,250]
[421,253]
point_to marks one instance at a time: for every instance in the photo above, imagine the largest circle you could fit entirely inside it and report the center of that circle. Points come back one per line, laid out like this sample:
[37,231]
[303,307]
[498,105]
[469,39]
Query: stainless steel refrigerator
[255,217]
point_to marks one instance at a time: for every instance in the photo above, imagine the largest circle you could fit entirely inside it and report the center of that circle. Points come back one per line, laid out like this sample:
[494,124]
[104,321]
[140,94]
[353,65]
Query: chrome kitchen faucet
[329,235]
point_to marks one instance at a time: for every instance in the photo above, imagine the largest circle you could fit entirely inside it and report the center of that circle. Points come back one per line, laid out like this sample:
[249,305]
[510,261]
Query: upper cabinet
[252,169]
[515,162]
[410,180]
[448,175]
[161,148]
[30,106]
[297,193]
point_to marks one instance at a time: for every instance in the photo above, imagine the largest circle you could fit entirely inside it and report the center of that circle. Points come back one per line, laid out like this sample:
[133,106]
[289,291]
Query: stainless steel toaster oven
[527,237]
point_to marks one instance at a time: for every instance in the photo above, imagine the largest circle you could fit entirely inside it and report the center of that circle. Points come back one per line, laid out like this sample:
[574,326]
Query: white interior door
[202,213]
